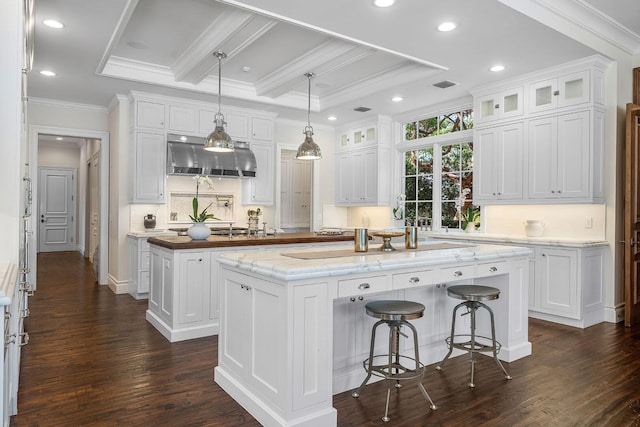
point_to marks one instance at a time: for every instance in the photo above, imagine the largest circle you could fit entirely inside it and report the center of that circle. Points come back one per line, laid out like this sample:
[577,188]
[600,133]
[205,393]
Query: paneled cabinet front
[559,157]
[358,178]
[259,190]
[148,175]
[499,164]
[139,264]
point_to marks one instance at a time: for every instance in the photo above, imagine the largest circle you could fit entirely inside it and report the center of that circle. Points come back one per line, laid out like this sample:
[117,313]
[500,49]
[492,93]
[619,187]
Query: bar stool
[471,296]
[395,314]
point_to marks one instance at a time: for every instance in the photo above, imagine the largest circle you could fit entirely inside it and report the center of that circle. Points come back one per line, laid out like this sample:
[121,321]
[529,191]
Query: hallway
[94,360]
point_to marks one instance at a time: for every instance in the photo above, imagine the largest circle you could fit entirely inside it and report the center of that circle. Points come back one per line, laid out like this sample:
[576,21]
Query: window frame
[437,142]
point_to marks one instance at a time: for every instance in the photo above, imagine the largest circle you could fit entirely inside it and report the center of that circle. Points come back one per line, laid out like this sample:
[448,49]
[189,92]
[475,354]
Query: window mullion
[436,221]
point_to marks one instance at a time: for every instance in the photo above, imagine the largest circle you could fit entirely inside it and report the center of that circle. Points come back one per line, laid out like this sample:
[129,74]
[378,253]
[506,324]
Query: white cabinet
[559,157]
[139,261]
[149,114]
[259,190]
[261,129]
[362,179]
[359,137]
[564,91]
[240,125]
[569,284]
[295,192]
[148,167]
[237,126]
[182,119]
[498,164]
[180,294]
[501,105]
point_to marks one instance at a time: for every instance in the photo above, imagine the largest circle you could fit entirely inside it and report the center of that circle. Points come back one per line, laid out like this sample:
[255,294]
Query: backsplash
[568,221]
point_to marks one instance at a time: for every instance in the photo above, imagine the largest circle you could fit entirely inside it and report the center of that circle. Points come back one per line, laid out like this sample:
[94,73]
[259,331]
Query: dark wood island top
[185,242]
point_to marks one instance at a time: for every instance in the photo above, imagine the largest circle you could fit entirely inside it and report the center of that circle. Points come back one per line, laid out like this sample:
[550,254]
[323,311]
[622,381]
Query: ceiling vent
[362,109]
[445,84]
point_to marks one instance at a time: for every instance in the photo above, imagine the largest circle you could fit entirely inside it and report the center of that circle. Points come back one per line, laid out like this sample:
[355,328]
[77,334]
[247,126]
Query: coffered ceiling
[362,56]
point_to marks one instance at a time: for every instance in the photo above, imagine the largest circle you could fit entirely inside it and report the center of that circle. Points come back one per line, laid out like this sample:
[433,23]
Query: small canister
[361,240]
[411,237]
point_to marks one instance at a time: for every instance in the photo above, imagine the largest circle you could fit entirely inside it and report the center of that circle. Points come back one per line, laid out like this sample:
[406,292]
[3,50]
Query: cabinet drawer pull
[414,280]
[363,286]
[352,299]
[360,298]
[493,269]
[457,273]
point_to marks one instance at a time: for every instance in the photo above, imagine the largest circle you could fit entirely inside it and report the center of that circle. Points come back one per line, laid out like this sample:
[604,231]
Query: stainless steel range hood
[186,156]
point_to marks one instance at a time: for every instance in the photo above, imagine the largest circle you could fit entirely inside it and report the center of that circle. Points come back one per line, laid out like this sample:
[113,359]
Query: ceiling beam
[329,56]
[197,61]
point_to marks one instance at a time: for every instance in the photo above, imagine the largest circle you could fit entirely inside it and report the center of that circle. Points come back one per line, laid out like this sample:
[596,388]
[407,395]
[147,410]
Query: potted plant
[199,230]
[470,216]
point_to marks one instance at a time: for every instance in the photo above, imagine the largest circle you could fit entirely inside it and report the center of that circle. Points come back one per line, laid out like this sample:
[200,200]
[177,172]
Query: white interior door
[56,210]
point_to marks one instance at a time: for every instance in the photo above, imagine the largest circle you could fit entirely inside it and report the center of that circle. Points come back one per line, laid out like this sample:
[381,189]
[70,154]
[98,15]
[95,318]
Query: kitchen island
[183,277]
[293,331]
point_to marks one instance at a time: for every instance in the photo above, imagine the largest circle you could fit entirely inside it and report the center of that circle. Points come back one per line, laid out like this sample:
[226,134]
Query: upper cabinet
[564,91]
[148,114]
[504,104]
[182,119]
[363,164]
[560,132]
[149,163]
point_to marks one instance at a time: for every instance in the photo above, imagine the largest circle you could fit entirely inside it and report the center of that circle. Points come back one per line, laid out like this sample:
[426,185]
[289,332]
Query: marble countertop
[515,240]
[272,263]
[8,273]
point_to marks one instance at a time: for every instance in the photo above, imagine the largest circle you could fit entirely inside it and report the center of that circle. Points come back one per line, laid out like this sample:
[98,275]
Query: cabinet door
[485,174]
[150,114]
[558,281]
[574,89]
[511,103]
[237,127]
[301,193]
[194,277]
[182,119]
[344,179]
[543,158]
[543,95]
[573,164]
[149,168]
[236,342]
[259,190]
[370,177]
[261,129]
[509,156]
[485,108]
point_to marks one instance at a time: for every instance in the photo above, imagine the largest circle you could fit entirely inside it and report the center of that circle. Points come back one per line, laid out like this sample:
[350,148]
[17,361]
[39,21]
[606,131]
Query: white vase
[471,227]
[199,231]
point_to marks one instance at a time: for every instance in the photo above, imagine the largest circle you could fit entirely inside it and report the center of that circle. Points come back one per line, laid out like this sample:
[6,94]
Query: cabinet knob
[457,273]
[360,298]
[553,191]
[556,92]
[414,280]
[363,286]
[496,106]
[352,299]
[559,191]
[493,269]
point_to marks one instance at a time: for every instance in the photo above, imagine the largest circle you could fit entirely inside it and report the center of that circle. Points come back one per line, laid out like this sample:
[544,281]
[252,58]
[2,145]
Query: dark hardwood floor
[93,360]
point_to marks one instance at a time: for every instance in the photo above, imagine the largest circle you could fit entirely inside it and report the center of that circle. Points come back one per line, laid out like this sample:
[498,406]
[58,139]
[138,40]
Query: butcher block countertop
[185,242]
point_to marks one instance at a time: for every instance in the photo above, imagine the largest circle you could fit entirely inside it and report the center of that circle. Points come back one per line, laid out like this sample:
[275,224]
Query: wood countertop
[185,242]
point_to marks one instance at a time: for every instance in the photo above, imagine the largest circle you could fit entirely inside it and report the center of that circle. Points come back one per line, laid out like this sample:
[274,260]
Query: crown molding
[65,104]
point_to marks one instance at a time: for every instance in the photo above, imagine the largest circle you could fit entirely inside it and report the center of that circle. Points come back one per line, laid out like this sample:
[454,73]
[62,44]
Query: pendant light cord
[309,76]
[219,54]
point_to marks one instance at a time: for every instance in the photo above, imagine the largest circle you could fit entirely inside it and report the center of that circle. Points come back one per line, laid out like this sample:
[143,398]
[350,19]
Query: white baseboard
[117,287]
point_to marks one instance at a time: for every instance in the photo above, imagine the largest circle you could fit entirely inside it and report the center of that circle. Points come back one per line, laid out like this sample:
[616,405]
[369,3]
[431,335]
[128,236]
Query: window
[437,177]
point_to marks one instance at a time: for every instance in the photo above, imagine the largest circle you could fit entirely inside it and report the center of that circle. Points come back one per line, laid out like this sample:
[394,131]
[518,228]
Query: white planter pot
[199,231]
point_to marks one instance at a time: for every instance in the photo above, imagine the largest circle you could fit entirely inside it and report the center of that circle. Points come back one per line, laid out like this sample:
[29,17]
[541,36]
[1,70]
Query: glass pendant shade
[219,140]
[309,150]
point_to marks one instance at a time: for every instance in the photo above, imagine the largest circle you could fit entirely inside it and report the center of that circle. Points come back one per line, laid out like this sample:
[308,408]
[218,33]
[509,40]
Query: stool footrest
[468,345]
[382,370]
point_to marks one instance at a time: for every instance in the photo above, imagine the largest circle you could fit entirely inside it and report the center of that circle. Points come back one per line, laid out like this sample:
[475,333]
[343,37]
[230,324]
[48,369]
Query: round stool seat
[473,292]
[394,310]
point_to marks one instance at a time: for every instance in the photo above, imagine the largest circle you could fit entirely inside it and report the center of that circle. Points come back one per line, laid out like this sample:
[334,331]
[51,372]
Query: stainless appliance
[215,231]
[186,156]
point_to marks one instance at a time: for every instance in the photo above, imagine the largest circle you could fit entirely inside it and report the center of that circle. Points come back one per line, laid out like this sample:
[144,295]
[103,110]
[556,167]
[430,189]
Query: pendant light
[219,140]
[309,150]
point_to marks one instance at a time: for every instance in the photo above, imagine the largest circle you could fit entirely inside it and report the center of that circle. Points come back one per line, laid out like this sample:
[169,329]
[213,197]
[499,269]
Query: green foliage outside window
[440,125]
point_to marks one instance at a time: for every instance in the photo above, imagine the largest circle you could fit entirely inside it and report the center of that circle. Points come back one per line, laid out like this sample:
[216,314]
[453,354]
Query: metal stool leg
[473,307]
[356,392]
[493,339]
[432,405]
[453,331]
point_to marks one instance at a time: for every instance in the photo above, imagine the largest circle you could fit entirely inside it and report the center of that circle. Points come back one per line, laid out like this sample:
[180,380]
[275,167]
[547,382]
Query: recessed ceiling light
[183,138]
[53,23]
[383,3]
[446,26]
[246,69]
[47,73]
[332,118]
[497,68]
[397,98]
[59,138]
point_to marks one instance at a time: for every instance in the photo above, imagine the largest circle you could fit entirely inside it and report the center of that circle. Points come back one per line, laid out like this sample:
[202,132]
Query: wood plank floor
[93,360]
